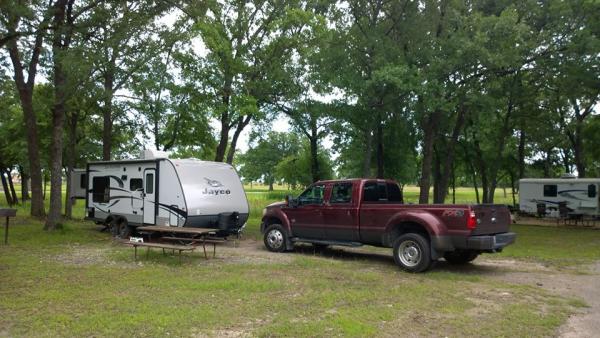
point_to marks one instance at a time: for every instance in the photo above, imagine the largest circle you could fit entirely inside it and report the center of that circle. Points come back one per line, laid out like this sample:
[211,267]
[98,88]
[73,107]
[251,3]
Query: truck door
[149,196]
[306,219]
[340,214]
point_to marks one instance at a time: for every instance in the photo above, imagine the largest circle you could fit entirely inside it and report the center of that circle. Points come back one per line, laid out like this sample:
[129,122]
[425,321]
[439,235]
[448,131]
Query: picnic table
[8,213]
[187,235]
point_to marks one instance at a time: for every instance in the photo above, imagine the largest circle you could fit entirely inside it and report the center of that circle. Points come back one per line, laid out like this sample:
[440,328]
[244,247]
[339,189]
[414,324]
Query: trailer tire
[275,238]
[460,257]
[124,229]
[412,252]
[113,227]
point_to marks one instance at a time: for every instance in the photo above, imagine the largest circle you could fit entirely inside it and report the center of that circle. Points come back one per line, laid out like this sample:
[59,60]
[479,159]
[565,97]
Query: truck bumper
[490,242]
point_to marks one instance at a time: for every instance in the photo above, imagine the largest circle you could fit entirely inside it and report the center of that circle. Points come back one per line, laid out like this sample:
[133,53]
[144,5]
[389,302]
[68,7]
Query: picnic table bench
[8,213]
[189,236]
[163,246]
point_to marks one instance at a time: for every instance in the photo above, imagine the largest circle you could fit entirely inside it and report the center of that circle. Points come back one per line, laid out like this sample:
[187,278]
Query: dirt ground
[585,286]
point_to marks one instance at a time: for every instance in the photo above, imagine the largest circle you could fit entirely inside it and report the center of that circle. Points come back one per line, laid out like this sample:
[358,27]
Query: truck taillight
[472,220]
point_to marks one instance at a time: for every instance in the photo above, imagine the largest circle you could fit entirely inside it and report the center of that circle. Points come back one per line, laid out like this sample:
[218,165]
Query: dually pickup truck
[368,211]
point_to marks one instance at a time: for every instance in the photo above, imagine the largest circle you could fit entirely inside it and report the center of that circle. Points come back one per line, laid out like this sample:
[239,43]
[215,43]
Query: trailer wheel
[113,227]
[124,230]
[275,238]
[459,257]
[412,252]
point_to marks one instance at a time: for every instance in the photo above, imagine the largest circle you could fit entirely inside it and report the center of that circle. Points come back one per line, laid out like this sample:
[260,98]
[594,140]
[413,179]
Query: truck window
[394,193]
[136,184]
[101,189]
[374,192]
[550,190]
[592,190]
[341,193]
[312,195]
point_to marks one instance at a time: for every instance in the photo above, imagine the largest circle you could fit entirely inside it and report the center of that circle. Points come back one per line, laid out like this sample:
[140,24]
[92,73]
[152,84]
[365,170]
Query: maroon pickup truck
[368,211]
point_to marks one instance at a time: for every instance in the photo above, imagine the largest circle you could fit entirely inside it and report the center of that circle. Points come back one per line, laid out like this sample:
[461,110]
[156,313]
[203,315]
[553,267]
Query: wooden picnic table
[163,246]
[197,236]
[8,213]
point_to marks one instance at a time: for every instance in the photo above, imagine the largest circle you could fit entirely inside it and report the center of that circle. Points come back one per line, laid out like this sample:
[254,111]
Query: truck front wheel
[460,256]
[275,238]
[412,252]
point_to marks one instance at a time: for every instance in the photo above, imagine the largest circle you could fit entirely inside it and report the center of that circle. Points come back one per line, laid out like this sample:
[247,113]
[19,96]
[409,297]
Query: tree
[260,160]
[24,51]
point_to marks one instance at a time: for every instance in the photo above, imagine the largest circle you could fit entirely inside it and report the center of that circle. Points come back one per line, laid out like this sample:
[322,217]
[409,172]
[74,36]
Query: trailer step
[325,242]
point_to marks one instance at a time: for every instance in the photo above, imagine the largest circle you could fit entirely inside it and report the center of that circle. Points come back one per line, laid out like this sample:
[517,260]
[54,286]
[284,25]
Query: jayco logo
[215,184]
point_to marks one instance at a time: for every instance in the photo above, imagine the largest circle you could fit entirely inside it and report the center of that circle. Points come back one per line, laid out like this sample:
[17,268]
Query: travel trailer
[156,190]
[580,195]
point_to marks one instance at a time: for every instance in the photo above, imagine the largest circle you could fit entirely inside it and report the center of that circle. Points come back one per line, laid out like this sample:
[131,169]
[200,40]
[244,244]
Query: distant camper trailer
[580,195]
[155,190]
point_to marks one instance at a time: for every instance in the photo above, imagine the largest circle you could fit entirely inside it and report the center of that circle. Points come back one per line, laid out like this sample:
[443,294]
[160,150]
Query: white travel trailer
[580,194]
[155,190]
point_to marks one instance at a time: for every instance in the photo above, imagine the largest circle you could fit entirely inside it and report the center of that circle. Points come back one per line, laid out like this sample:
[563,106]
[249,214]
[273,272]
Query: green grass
[559,246]
[78,282]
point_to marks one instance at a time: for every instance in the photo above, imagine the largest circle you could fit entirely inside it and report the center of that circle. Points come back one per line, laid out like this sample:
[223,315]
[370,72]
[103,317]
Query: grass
[559,246]
[78,282]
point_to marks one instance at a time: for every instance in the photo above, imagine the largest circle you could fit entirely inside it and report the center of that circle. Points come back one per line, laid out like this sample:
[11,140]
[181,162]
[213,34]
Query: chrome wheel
[275,239]
[409,253]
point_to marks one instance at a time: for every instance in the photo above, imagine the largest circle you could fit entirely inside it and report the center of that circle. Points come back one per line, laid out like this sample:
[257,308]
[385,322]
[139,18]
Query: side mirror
[290,201]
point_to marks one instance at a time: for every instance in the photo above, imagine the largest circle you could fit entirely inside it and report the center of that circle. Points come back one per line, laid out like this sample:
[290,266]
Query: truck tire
[275,238]
[412,252]
[459,257]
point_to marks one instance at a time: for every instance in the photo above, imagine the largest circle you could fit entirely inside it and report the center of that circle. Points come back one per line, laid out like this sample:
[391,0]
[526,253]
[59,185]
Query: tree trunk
[243,121]
[512,186]
[578,149]
[521,154]
[7,194]
[380,173]
[436,174]
[59,45]
[13,192]
[31,130]
[314,155]
[450,154]
[368,151]
[24,184]
[224,138]
[109,79]
[71,153]
[429,127]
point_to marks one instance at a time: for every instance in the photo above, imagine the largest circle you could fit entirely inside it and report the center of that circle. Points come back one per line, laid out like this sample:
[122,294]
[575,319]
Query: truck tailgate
[491,219]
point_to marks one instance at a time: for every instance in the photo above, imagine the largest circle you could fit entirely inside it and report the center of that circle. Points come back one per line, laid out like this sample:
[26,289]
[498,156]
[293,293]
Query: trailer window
[136,184]
[83,181]
[592,190]
[312,195]
[149,183]
[550,190]
[341,193]
[101,189]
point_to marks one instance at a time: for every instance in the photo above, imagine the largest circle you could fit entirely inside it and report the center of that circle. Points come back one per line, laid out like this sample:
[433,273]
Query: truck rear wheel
[412,252]
[275,238]
[460,256]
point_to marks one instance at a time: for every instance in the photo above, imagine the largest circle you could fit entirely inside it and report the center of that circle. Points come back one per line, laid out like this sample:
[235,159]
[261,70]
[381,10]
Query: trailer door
[149,196]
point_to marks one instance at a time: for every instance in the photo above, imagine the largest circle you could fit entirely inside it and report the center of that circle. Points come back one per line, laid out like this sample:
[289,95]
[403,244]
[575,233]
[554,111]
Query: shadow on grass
[385,260]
